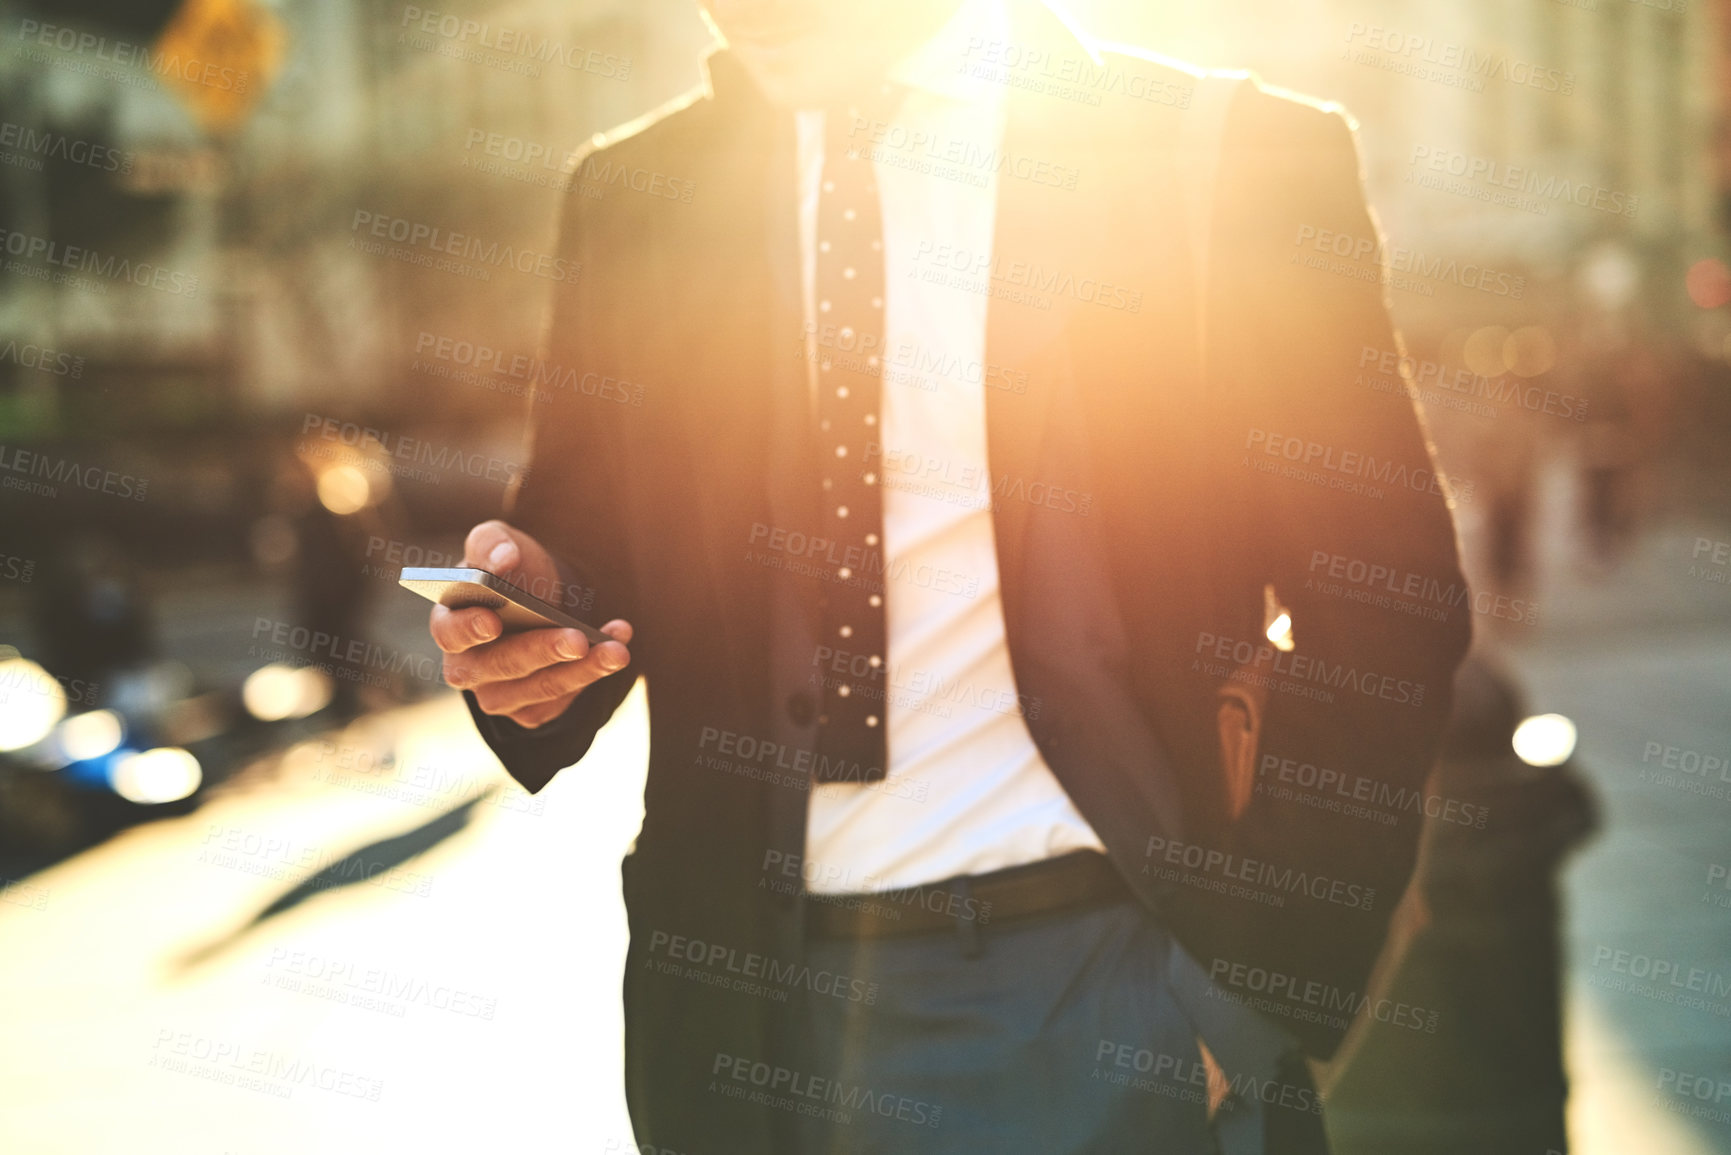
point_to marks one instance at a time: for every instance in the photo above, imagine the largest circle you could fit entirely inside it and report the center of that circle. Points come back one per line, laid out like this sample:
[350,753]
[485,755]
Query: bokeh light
[89,735]
[1484,351]
[344,489]
[1709,283]
[1545,740]
[1530,351]
[165,774]
[275,692]
[31,702]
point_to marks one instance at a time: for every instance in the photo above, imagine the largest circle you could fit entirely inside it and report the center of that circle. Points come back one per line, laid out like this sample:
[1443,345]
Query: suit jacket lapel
[739,356]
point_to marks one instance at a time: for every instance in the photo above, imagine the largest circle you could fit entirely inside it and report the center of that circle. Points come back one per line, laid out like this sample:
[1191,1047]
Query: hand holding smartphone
[520,657]
[463,587]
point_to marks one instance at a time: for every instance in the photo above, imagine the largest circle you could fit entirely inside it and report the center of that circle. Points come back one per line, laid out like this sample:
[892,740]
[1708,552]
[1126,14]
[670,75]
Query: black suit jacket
[1130,599]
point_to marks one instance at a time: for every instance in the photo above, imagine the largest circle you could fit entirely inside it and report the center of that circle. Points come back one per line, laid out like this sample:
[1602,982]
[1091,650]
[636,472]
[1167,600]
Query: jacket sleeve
[571,499]
[1348,518]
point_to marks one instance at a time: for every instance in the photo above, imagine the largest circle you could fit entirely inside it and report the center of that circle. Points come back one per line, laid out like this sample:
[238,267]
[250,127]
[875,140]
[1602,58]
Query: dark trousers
[1068,1032]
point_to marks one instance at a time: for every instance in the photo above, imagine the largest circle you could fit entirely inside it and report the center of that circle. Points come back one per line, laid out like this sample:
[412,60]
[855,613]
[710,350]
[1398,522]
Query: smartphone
[461,588]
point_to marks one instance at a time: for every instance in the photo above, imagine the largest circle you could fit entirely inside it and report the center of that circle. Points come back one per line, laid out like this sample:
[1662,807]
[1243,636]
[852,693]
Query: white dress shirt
[967,790]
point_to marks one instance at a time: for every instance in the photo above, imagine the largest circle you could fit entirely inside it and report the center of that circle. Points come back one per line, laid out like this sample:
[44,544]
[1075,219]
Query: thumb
[493,546]
[507,551]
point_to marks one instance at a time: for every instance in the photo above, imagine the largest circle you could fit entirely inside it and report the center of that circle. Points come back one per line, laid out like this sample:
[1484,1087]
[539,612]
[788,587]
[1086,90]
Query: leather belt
[1083,878]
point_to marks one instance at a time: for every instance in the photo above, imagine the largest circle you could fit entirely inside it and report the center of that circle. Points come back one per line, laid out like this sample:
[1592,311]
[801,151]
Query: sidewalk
[174,990]
[1641,661]
[1647,940]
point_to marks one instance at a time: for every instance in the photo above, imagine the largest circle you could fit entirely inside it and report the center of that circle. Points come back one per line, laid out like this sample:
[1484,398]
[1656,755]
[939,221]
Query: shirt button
[801,710]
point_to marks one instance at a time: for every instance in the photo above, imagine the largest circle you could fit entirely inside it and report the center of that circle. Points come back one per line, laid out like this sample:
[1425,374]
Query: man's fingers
[490,546]
[510,553]
[455,631]
[551,684]
[516,656]
[619,628]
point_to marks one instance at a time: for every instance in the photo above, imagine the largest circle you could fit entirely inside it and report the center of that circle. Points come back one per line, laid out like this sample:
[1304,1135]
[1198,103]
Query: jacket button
[801,709]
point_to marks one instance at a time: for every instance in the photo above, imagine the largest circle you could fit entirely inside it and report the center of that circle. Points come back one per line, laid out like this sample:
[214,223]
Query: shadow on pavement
[361,865]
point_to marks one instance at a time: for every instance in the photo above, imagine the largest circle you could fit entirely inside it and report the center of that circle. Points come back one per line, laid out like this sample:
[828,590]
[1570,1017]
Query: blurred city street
[375,941]
[1645,887]
[159,993]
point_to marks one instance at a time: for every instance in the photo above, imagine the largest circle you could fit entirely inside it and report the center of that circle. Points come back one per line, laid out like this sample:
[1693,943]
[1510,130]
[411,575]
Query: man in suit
[1047,627]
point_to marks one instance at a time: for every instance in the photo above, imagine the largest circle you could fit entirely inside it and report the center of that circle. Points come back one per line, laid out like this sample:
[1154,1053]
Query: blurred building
[1563,151]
